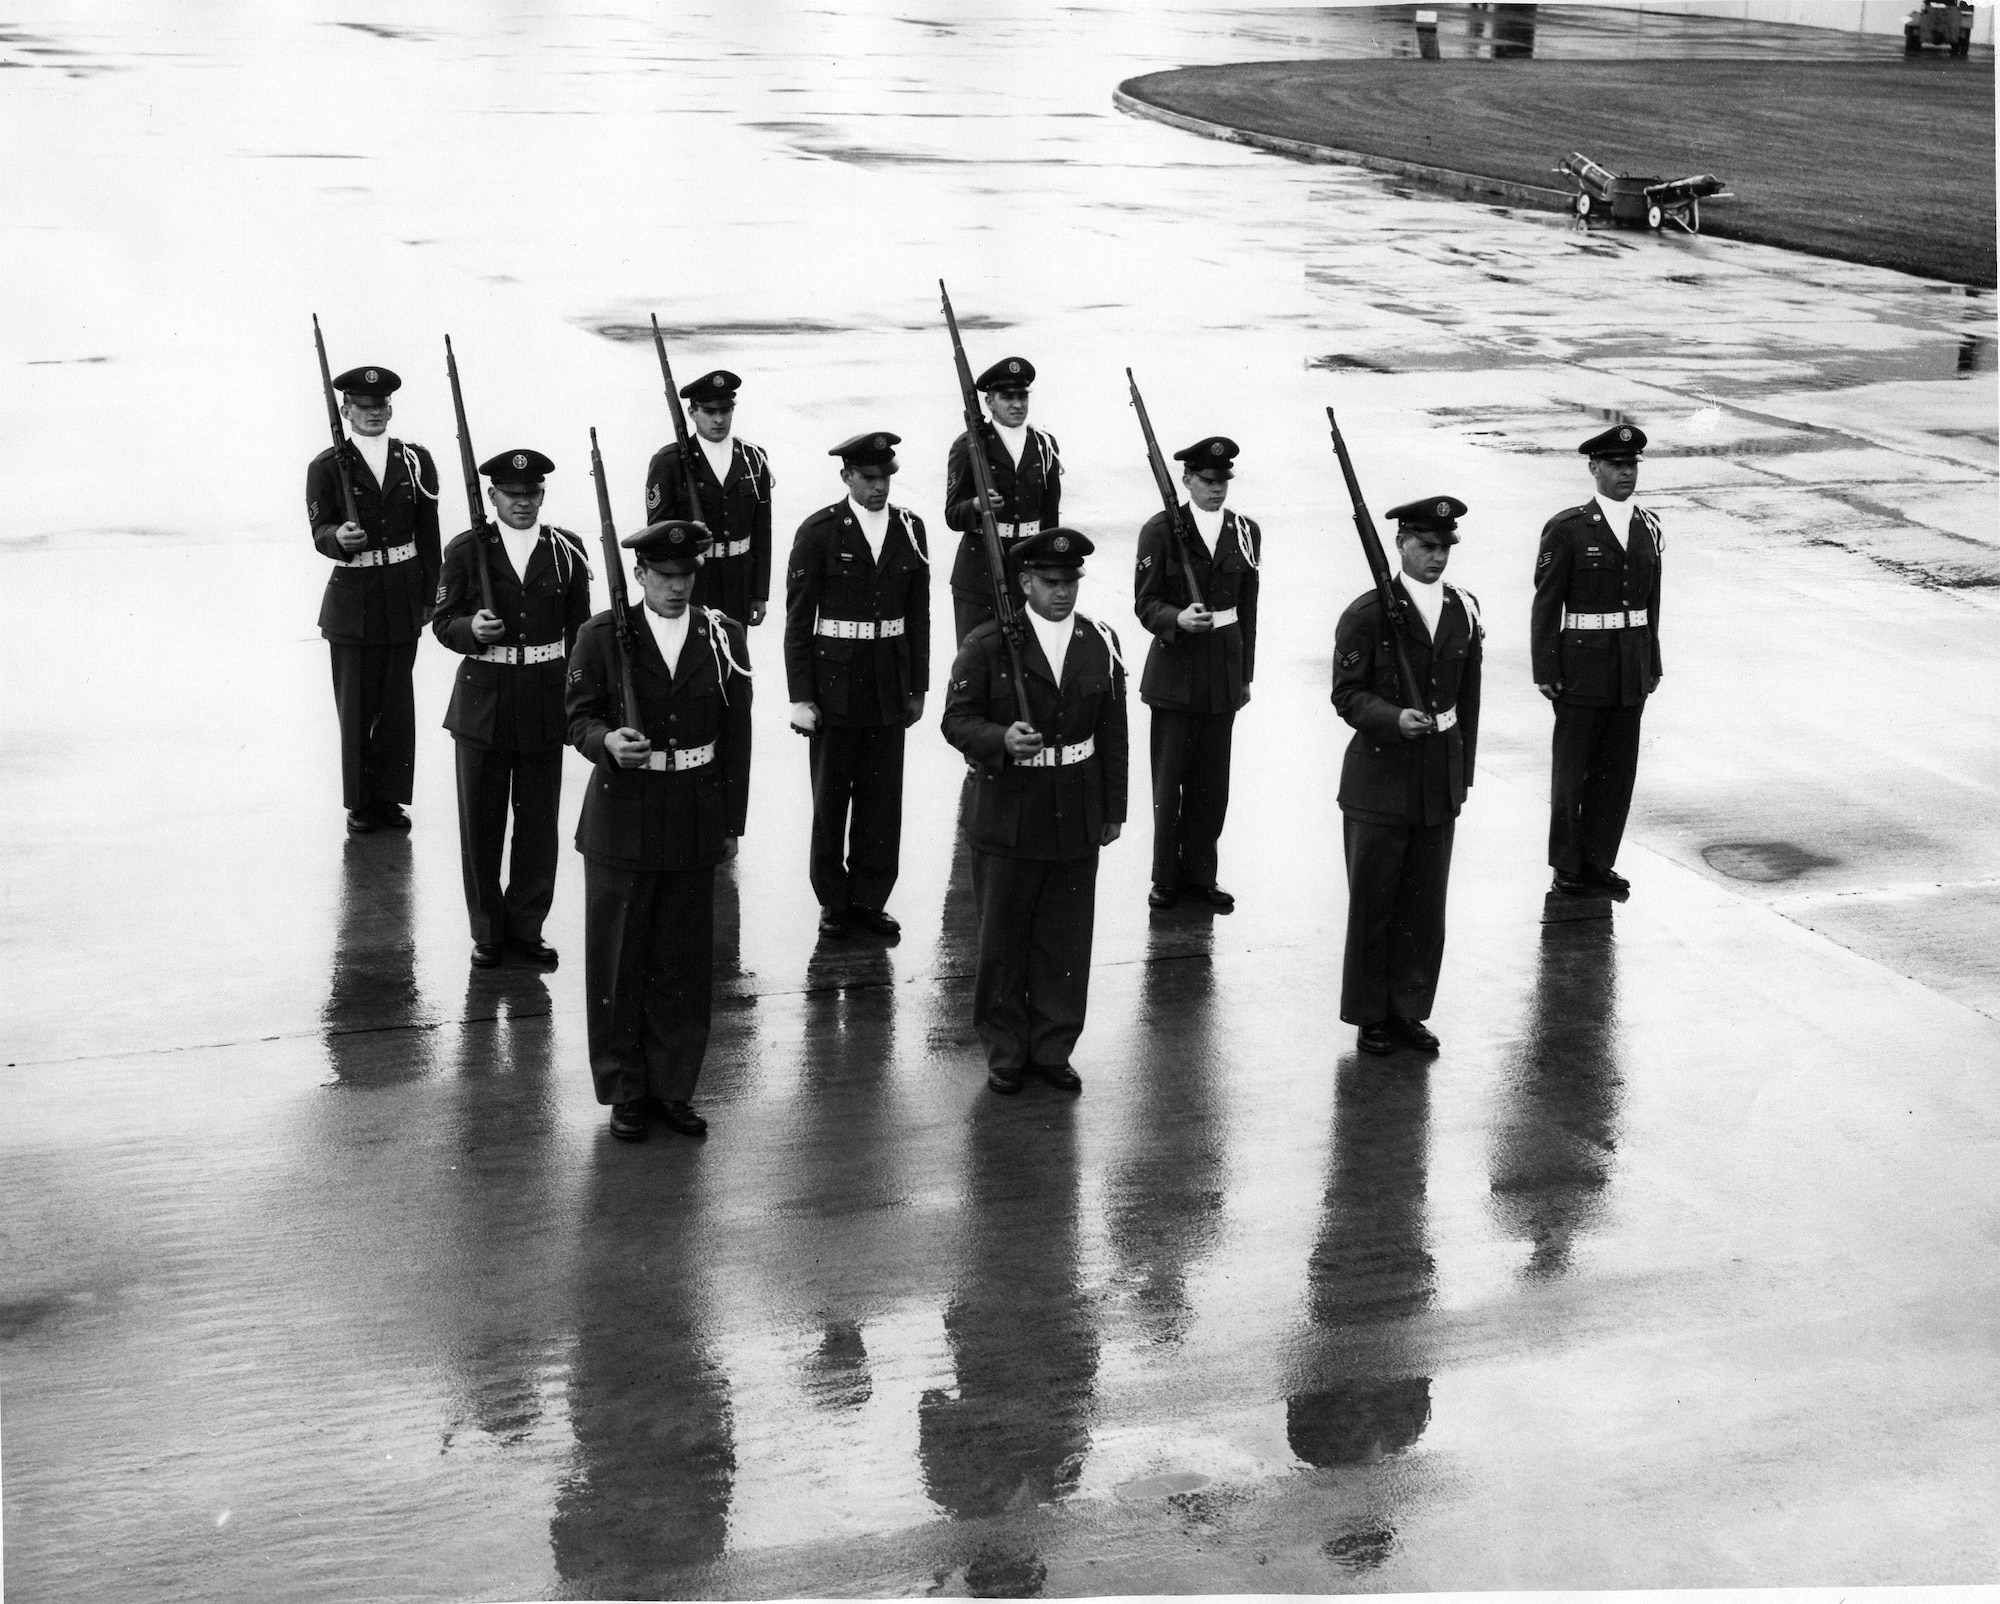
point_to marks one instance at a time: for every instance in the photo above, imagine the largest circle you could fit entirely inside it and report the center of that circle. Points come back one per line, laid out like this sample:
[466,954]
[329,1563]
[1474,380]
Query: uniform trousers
[648,959]
[1596,755]
[486,775]
[857,832]
[1032,979]
[724,584]
[378,721]
[1190,793]
[1396,880]
[968,613]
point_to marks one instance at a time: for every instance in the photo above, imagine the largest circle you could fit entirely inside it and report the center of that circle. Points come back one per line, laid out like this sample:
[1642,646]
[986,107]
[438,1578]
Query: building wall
[1860,16]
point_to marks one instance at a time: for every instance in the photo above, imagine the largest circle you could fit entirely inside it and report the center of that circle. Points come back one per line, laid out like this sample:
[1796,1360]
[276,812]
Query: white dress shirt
[1618,514]
[374,449]
[1055,638]
[670,635]
[1014,439]
[1428,601]
[874,526]
[720,454]
[520,546]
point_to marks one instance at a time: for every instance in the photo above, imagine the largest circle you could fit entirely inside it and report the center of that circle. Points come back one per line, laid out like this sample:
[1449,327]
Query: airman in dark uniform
[670,782]
[378,595]
[857,665]
[1045,794]
[733,479]
[1026,469]
[506,717]
[1404,777]
[1594,638]
[1199,668]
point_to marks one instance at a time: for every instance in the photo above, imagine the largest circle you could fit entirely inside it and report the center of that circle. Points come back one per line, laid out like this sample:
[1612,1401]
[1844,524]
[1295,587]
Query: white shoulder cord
[411,467]
[1247,547]
[724,654]
[910,534]
[1110,641]
[1471,603]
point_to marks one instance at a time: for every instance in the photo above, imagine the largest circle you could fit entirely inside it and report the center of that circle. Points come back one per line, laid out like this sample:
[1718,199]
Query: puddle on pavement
[1763,861]
[1167,1484]
[1360,1551]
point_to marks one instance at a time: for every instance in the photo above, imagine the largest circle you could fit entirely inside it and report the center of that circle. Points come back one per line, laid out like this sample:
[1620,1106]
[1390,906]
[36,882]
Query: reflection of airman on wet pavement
[506,716]
[1026,469]
[378,595]
[671,781]
[1595,643]
[1043,798]
[733,479]
[1024,1344]
[1354,1395]
[1199,668]
[857,665]
[1404,778]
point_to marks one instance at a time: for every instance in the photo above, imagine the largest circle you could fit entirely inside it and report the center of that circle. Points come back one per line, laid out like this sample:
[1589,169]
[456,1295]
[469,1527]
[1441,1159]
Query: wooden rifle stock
[989,531]
[614,579]
[680,427]
[1164,481]
[1378,568]
[471,472]
[339,434]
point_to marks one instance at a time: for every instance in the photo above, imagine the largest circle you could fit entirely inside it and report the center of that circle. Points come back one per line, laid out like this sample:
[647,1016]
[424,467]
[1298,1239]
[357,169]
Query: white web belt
[1060,757]
[376,557]
[1635,619]
[547,652]
[859,628]
[685,757]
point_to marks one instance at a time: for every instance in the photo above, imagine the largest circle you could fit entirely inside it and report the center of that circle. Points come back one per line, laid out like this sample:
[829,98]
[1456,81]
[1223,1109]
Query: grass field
[1887,162]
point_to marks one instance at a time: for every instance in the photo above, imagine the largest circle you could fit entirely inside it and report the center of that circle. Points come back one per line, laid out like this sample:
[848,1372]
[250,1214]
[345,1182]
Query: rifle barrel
[614,579]
[1378,570]
[680,424]
[1164,483]
[989,531]
[333,423]
[468,466]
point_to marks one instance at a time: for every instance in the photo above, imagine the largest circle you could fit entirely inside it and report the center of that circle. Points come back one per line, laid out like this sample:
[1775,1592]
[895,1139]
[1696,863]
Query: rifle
[614,579]
[339,434]
[680,425]
[471,472]
[1165,482]
[989,531]
[1378,567]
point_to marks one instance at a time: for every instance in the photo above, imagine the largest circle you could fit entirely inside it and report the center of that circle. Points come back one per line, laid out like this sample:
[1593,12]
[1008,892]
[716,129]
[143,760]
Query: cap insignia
[717,381]
[371,376]
[1061,543]
[1444,509]
[881,444]
[1624,434]
[1013,367]
[1215,450]
[520,459]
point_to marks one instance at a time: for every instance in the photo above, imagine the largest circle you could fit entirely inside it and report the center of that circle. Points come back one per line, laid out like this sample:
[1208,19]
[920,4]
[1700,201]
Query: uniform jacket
[739,507]
[1053,814]
[1030,493]
[376,606]
[517,707]
[1580,569]
[833,575]
[1205,672]
[1386,779]
[646,819]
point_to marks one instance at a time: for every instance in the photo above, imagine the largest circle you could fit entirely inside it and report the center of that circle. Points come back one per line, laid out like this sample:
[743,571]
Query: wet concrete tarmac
[324,1280]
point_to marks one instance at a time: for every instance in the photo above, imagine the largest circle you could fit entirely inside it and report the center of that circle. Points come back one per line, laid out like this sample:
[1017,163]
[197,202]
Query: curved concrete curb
[1470,186]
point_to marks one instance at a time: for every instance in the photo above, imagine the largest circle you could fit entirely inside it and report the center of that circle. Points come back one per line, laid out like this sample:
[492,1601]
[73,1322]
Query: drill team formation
[655,693]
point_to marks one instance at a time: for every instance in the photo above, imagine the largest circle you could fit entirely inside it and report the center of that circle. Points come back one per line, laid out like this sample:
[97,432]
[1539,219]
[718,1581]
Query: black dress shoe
[1218,899]
[1415,1033]
[360,823]
[1006,1082]
[1575,885]
[1060,1076]
[1376,1038]
[875,921]
[628,1120]
[833,921]
[536,951]
[1612,882]
[1162,897]
[680,1116]
[486,955]
[390,816]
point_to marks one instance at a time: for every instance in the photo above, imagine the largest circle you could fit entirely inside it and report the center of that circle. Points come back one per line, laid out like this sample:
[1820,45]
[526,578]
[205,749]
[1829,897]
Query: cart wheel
[1583,206]
[1652,217]
[1694,216]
